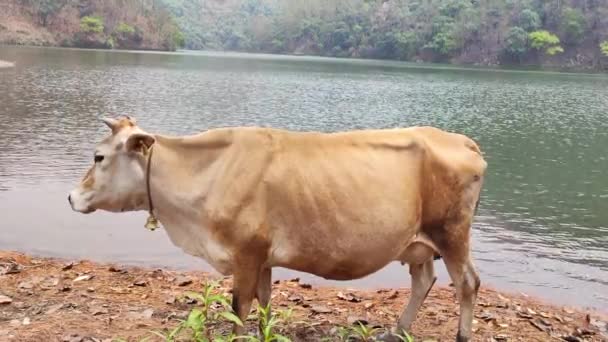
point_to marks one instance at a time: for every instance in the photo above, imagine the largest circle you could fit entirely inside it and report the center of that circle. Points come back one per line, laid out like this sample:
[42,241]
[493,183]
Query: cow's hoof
[461,338]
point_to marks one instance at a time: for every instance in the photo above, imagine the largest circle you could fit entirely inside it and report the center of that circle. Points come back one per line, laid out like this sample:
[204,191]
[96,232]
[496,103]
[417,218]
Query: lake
[542,226]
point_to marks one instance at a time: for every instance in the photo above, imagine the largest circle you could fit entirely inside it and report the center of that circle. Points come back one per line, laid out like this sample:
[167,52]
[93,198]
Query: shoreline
[45,298]
[537,68]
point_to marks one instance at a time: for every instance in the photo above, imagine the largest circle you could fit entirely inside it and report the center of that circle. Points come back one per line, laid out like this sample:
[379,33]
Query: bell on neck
[152,223]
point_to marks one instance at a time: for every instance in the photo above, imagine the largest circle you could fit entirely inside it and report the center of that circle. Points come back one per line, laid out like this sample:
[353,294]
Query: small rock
[26,321]
[54,308]
[485,316]
[117,269]
[90,289]
[570,338]
[144,296]
[320,309]
[503,298]
[583,332]
[170,300]
[294,280]
[147,313]
[540,326]
[600,325]
[352,320]
[83,277]
[72,338]
[524,315]
[49,283]
[183,281]
[295,298]
[277,282]
[306,286]
[349,297]
[26,285]
[140,283]
[369,305]
[64,287]
[67,266]
[97,310]
[392,295]
[5,299]
[501,338]
[9,268]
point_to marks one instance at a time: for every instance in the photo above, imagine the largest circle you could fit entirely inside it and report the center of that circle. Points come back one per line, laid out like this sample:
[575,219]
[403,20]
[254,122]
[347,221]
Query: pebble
[5,299]
[183,281]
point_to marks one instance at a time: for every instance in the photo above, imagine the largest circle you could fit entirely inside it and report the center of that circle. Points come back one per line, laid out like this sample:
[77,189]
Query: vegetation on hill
[488,32]
[124,24]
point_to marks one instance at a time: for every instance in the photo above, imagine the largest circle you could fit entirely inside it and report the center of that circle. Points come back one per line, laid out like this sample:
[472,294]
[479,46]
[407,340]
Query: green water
[543,221]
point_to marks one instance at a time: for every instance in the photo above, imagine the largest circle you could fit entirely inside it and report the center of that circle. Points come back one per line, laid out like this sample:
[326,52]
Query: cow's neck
[179,176]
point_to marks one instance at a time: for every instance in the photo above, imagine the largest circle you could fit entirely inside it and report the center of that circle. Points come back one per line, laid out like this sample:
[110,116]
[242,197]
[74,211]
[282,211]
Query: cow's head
[116,180]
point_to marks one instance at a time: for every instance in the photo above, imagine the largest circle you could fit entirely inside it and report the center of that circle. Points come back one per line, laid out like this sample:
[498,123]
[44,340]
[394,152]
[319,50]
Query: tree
[572,25]
[90,24]
[516,43]
[45,8]
[545,41]
[604,48]
[529,20]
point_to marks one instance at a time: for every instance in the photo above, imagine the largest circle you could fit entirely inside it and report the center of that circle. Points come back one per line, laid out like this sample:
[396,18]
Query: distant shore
[52,299]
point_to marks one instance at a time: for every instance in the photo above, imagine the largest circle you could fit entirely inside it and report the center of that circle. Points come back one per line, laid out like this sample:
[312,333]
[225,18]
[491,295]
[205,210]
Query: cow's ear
[112,123]
[139,142]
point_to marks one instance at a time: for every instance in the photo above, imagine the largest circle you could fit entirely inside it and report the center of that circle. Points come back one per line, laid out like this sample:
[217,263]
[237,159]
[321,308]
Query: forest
[485,32]
[565,33]
[107,24]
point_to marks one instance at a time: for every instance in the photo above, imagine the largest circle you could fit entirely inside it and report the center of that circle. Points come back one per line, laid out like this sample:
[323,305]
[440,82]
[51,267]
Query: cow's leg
[458,262]
[243,292]
[423,278]
[264,290]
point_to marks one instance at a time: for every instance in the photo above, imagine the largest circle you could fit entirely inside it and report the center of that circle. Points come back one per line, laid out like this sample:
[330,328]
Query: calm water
[543,222]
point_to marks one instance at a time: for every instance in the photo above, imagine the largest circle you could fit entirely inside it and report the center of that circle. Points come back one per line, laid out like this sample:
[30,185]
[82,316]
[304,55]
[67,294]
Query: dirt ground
[44,299]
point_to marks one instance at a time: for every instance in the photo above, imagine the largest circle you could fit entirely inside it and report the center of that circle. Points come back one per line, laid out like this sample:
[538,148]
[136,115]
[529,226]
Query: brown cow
[338,205]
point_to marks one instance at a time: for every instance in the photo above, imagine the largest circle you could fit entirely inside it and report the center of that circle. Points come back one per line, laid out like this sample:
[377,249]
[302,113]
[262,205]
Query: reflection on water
[542,226]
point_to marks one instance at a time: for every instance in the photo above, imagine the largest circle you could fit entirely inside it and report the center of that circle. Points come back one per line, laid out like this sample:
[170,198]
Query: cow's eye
[98,158]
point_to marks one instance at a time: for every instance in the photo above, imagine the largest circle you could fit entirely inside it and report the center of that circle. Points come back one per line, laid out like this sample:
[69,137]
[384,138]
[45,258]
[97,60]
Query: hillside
[566,33]
[125,24]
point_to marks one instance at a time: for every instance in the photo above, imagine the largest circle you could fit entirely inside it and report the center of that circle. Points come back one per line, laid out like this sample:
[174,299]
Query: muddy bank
[43,299]
[5,64]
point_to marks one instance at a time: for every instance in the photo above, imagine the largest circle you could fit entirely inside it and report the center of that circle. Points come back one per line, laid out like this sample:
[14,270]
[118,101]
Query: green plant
[124,28]
[545,41]
[516,43]
[198,320]
[572,25]
[363,332]
[405,337]
[529,20]
[268,322]
[604,48]
[90,24]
